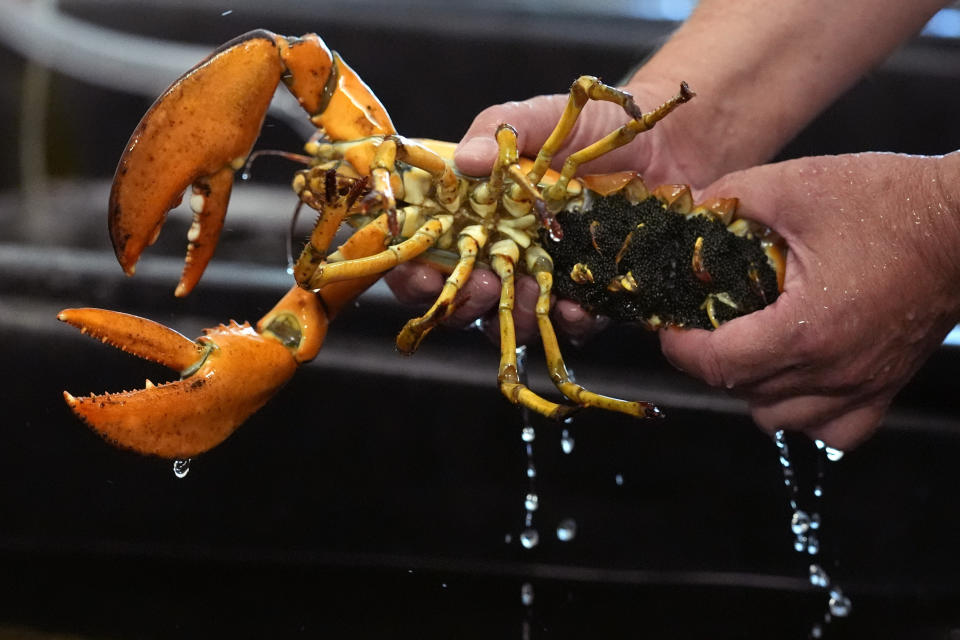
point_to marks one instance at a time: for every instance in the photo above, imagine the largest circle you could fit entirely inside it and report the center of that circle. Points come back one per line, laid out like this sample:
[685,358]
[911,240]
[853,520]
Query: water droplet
[181,467]
[800,544]
[529,538]
[813,545]
[784,462]
[816,631]
[443,585]
[800,522]
[839,604]
[526,594]
[528,434]
[833,454]
[818,577]
[531,502]
[818,491]
[507,538]
[566,442]
[815,521]
[531,471]
[618,479]
[567,530]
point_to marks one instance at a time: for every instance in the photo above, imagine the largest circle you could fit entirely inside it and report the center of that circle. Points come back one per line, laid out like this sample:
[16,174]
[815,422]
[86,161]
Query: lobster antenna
[292,157]
[290,231]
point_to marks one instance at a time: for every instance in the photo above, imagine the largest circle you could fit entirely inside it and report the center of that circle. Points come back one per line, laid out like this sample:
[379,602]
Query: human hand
[870,291]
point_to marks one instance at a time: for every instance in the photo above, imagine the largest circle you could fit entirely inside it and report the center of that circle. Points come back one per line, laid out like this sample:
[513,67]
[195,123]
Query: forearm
[764,69]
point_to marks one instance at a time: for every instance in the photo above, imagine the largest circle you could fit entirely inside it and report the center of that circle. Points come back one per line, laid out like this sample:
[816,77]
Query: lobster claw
[197,133]
[227,374]
[200,131]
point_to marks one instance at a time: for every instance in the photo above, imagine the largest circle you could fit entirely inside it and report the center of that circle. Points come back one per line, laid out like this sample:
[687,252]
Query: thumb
[534,120]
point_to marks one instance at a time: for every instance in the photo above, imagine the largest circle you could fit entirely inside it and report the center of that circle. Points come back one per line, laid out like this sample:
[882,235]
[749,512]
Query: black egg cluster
[634,262]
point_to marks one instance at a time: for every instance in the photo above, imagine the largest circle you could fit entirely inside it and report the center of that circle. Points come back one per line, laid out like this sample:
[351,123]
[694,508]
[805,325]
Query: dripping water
[529,536]
[181,468]
[526,599]
[805,524]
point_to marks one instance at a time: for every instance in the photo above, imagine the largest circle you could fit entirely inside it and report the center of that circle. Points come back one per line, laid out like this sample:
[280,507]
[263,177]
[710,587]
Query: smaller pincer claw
[226,375]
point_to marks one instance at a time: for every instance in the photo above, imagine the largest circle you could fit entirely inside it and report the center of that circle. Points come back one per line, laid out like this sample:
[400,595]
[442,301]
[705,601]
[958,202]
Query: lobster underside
[618,248]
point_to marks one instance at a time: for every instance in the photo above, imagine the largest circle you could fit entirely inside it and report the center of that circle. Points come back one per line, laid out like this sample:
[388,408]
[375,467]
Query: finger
[525,309]
[477,297]
[766,193]
[797,413]
[745,350]
[575,322]
[850,429]
[836,420]
[414,283]
[524,313]
[534,120]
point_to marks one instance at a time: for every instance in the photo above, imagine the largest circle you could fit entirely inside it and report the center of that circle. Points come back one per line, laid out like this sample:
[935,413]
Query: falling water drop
[833,455]
[526,594]
[531,471]
[181,468]
[532,502]
[800,543]
[815,521]
[800,522]
[819,577]
[618,479]
[839,604]
[508,538]
[529,538]
[566,442]
[567,530]
[528,434]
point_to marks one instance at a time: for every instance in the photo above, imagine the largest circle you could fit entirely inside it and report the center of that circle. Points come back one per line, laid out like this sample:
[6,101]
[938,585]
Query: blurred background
[378,494]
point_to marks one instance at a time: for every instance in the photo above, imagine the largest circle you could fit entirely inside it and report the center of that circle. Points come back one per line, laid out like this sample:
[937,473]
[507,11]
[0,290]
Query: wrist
[944,210]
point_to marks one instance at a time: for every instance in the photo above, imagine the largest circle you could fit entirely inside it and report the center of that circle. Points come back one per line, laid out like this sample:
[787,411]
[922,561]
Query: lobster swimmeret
[607,241]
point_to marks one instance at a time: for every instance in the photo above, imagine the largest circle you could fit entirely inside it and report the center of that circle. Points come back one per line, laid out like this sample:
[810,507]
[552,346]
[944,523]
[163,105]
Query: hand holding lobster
[870,291]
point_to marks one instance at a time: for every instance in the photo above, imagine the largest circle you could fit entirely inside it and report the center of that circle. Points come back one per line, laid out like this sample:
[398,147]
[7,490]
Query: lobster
[608,237]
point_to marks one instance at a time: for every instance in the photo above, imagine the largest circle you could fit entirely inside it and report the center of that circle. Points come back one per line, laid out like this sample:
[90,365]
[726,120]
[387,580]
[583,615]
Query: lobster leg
[472,238]
[425,237]
[583,89]
[541,268]
[508,377]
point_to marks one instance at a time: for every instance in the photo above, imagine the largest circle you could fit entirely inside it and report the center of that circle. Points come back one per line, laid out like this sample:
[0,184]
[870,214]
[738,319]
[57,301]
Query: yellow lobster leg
[425,237]
[540,265]
[503,259]
[582,90]
[589,88]
[472,238]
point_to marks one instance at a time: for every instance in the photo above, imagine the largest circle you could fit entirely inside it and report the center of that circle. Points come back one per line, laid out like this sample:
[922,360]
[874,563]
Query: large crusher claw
[200,131]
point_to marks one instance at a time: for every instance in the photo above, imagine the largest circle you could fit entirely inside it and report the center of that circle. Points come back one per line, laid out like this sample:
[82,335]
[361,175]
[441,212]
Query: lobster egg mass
[648,263]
